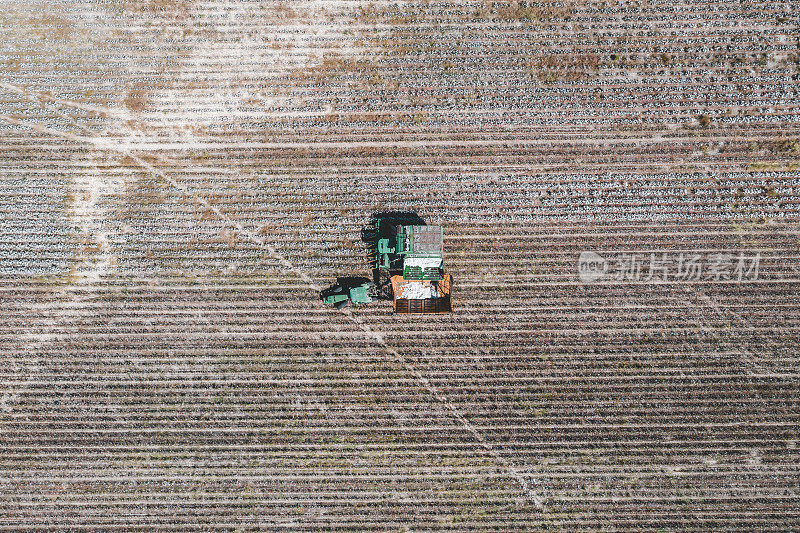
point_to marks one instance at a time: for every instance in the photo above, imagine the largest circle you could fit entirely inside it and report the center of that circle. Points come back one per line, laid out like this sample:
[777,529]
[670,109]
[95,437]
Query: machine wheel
[384,285]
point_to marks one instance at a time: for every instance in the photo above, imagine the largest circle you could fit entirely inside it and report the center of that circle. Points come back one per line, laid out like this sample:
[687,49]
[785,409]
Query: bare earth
[180,178]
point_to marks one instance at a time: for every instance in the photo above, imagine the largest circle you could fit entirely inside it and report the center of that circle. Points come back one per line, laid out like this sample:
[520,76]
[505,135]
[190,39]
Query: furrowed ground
[180,178]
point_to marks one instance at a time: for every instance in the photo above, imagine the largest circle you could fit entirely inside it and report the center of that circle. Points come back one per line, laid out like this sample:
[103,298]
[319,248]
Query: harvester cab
[414,250]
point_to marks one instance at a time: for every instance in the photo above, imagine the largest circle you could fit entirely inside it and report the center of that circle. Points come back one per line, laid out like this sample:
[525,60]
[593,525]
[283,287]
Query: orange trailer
[421,297]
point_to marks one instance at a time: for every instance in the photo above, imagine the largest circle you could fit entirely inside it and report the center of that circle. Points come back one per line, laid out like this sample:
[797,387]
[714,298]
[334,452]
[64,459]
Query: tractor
[349,290]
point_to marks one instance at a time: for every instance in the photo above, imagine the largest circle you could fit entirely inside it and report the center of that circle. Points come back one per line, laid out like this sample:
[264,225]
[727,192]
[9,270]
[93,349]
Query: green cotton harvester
[407,262]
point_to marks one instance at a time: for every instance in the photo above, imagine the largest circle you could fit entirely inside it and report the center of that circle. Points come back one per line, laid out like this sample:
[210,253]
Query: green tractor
[347,291]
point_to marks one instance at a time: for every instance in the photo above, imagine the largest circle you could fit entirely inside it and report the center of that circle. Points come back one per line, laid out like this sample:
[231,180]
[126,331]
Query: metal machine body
[341,295]
[414,251]
[407,261]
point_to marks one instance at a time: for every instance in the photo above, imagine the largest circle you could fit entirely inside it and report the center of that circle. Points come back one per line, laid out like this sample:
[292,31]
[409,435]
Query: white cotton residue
[419,291]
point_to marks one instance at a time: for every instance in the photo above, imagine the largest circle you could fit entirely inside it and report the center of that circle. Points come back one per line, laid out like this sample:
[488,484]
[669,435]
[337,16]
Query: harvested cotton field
[618,185]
